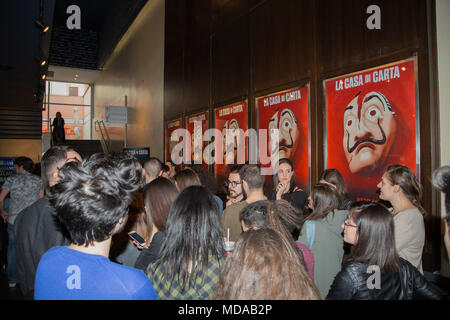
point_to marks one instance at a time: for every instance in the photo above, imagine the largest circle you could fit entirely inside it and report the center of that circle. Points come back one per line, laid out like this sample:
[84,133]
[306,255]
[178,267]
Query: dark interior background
[222,51]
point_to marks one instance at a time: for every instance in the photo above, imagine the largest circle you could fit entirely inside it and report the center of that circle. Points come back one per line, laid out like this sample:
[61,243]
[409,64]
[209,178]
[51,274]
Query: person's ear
[245,185]
[55,175]
[244,227]
[397,188]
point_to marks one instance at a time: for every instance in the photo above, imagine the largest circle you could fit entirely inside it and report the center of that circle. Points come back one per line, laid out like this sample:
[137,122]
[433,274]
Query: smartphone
[137,237]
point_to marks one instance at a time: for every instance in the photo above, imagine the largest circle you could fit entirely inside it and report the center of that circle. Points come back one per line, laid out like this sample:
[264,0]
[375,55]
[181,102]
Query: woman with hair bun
[400,187]
[335,179]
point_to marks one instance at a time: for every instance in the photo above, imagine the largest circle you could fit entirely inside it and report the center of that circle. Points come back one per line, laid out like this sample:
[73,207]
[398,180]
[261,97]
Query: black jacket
[152,253]
[353,283]
[37,229]
[298,199]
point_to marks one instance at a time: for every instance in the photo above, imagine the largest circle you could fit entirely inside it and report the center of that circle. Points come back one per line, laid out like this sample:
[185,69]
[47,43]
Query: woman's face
[350,231]
[386,187]
[285,173]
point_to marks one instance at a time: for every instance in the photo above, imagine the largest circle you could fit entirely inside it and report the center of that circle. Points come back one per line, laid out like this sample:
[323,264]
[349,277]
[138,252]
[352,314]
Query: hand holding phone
[138,238]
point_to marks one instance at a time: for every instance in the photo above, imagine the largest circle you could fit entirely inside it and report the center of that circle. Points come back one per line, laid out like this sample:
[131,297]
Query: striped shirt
[308,256]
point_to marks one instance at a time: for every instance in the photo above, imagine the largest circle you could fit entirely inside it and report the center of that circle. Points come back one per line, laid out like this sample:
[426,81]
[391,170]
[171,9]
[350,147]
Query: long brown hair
[325,199]
[334,177]
[158,197]
[375,231]
[262,268]
[186,178]
[405,178]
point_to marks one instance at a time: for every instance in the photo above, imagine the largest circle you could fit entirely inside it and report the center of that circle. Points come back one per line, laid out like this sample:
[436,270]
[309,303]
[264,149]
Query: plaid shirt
[200,290]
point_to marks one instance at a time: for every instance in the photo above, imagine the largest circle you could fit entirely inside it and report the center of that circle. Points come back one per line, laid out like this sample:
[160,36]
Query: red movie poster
[287,111]
[171,126]
[196,125]
[371,123]
[230,117]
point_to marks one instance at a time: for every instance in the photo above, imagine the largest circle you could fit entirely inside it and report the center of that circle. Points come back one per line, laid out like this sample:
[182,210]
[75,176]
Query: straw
[228,235]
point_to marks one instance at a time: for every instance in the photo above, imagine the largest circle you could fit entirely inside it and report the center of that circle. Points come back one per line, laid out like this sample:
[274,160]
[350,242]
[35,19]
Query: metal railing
[105,140]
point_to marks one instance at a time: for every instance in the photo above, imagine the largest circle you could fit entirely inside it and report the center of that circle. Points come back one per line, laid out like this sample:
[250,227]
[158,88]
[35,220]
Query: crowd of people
[69,233]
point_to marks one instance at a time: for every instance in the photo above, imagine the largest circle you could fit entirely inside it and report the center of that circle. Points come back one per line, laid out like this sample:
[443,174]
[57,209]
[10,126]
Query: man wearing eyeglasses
[235,190]
[36,228]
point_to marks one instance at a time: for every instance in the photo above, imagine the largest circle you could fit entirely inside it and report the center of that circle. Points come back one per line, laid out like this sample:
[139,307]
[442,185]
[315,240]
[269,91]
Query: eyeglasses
[347,223]
[233,183]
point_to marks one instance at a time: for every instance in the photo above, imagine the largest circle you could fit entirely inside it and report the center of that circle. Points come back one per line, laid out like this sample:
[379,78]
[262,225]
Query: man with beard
[235,190]
[369,132]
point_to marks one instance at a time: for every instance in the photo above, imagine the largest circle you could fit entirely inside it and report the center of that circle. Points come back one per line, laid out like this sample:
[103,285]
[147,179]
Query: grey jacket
[327,247]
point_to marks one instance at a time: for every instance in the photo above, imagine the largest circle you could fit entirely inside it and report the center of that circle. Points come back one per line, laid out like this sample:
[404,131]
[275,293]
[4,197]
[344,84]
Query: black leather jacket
[353,283]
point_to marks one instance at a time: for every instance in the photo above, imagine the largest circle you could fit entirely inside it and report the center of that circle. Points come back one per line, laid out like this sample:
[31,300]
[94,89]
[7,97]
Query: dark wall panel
[280,37]
[173,89]
[346,41]
[20,123]
[230,62]
[197,72]
[174,33]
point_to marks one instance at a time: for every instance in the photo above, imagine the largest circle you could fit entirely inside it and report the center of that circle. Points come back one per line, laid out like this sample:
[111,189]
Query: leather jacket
[353,283]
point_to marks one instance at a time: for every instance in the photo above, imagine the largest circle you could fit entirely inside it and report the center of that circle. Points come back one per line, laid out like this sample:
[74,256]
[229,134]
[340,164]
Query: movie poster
[287,111]
[197,125]
[371,122]
[230,117]
[171,126]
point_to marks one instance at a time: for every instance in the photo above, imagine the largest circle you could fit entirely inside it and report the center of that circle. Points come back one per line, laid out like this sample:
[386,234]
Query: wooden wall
[221,51]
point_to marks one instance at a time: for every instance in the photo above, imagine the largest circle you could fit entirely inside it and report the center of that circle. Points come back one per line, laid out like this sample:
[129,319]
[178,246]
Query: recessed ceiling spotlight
[42,26]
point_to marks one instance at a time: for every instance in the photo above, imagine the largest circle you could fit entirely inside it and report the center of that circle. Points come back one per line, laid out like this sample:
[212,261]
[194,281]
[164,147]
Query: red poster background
[400,92]
[221,116]
[203,118]
[299,107]
[171,126]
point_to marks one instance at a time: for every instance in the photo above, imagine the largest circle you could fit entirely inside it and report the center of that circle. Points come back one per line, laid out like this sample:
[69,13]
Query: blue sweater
[67,274]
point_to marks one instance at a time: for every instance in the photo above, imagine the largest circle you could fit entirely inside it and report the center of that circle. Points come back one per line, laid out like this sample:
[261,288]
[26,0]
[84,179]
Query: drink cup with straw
[229,245]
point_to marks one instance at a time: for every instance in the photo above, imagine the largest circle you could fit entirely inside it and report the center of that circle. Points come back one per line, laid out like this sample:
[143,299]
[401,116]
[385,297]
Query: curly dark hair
[93,195]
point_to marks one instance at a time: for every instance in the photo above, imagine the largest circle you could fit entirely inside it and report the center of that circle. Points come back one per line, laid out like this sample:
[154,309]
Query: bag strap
[310,232]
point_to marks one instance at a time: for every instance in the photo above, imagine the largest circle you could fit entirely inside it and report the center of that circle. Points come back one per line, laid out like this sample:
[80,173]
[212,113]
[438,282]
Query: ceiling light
[43,76]
[42,26]
[43,62]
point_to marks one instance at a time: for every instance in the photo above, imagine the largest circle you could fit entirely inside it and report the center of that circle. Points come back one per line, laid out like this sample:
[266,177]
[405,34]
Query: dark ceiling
[103,23]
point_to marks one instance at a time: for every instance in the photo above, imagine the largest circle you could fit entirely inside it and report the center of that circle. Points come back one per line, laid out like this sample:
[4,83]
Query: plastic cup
[229,247]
